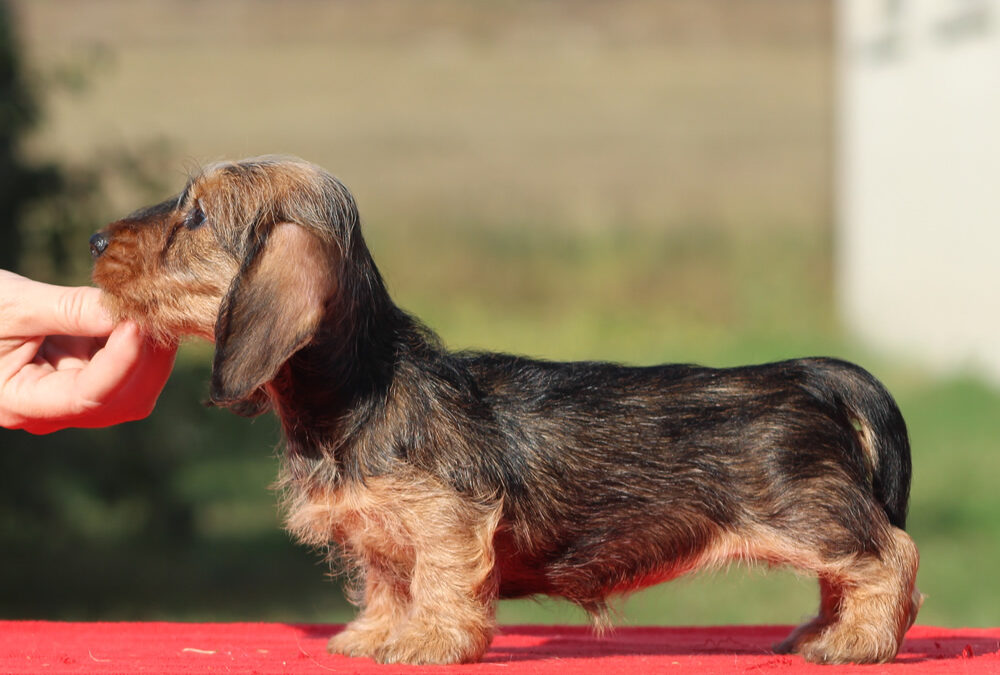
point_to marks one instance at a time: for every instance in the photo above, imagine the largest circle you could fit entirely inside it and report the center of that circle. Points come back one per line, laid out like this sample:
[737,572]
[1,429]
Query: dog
[448,480]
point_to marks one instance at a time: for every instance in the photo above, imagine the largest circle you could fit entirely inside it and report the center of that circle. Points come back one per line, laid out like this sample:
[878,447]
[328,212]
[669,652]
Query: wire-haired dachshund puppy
[449,480]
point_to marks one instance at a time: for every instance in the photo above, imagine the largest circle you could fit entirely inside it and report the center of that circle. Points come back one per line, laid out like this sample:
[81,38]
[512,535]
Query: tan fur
[860,596]
[430,598]
[172,281]
[184,301]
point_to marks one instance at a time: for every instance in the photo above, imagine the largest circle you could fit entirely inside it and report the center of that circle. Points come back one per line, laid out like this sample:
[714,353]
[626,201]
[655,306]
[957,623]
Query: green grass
[955,511]
[628,294]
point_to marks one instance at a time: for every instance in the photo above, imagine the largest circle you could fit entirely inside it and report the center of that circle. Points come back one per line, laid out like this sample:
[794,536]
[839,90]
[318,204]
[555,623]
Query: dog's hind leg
[830,596]
[868,601]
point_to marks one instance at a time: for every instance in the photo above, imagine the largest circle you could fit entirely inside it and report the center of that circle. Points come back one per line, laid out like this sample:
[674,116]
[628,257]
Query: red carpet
[49,647]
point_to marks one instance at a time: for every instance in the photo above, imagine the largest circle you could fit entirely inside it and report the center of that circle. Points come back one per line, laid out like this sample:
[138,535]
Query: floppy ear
[274,306]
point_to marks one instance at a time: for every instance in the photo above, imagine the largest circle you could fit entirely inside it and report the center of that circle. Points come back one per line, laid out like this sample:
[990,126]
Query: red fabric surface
[52,647]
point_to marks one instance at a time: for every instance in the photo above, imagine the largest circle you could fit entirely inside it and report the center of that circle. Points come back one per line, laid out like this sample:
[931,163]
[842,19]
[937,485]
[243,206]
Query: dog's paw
[800,636]
[841,644]
[432,646]
[357,641]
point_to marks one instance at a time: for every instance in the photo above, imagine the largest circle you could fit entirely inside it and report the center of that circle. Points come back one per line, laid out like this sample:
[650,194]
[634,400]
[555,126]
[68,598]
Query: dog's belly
[518,573]
[585,573]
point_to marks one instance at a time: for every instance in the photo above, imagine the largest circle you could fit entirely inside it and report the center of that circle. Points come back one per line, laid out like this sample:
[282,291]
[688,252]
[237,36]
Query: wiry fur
[448,480]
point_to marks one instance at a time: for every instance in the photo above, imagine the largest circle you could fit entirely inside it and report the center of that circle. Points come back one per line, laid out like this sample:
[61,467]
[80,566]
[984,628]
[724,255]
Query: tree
[21,182]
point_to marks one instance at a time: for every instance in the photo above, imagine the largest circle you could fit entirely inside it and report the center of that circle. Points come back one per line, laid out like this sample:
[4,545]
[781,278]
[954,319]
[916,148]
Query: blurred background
[639,181]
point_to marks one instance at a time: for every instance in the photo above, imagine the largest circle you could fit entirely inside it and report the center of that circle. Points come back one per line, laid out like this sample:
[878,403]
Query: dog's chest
[391,517]
[351,516]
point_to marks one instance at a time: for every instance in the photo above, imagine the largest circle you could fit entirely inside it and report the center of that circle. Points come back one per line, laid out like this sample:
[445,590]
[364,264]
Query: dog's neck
[327,389]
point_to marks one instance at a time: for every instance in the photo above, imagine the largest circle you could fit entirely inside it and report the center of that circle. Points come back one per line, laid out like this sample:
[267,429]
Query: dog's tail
[880,428]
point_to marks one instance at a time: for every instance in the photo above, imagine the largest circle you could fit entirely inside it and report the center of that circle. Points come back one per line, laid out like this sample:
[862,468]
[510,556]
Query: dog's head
[248,255]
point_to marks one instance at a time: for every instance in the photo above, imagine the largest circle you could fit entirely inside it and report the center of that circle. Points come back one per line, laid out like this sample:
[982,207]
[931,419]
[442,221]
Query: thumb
[45,309]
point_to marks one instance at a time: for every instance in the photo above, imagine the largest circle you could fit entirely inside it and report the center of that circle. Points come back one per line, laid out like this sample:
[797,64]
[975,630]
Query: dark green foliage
[21,182]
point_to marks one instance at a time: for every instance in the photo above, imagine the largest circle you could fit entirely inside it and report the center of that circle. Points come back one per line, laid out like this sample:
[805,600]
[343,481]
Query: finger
[127,375]
[94,395]
[120,383]
[64,351]
[140,393]
[15,353]
[40,397]
[45,309]
[110,368]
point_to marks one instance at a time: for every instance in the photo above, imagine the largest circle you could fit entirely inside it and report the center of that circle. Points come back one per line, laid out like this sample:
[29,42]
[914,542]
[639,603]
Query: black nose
[98,243]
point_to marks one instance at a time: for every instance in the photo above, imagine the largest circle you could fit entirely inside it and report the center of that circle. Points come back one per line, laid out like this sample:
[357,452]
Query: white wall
[918,259]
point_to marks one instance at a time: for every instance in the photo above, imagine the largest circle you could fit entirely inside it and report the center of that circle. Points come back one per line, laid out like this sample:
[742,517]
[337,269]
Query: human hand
[64,363]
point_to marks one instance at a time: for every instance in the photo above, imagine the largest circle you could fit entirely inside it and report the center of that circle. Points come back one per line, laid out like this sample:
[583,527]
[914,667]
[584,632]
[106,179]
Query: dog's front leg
[452,603]
[384,610]
[426,555]
[448,558]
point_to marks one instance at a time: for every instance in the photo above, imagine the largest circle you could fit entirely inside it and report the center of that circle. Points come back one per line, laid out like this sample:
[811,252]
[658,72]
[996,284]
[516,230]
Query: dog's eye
[195,217]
